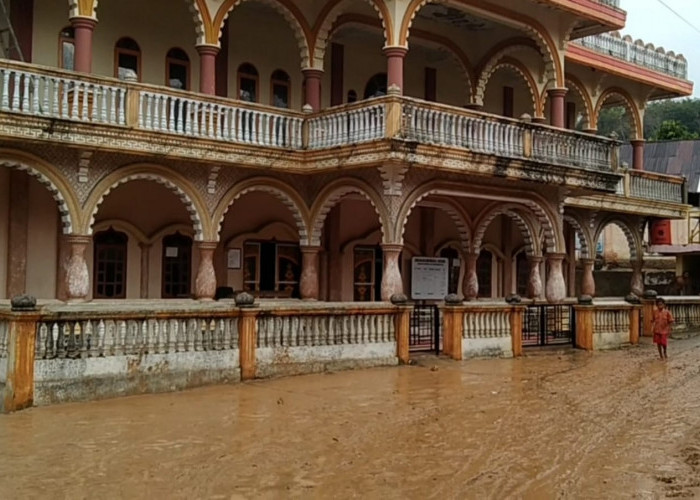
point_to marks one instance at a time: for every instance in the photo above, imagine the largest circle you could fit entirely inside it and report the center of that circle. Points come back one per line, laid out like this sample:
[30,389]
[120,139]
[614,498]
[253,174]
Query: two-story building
[309,149]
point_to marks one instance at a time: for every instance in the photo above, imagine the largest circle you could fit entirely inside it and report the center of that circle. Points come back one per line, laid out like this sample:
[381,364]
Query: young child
[662,326]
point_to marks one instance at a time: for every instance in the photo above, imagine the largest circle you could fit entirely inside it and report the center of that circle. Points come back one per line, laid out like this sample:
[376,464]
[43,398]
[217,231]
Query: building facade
[309,149]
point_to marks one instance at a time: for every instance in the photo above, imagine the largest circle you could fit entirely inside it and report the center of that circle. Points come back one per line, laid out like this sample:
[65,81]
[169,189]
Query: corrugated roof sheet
[670,157]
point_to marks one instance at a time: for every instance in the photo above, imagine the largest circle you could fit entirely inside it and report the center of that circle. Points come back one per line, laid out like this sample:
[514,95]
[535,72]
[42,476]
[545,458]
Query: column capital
[556,257]
[208,49]
[557,91]
[207,245]
[312,72]
[587,261]
[310,248]
[392,247]
[83,22]
[638,142]
[535,259]
[395,51]
[78,239]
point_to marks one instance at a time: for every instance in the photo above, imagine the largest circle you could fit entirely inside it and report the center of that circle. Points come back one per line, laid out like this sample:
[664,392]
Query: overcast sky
[652,22]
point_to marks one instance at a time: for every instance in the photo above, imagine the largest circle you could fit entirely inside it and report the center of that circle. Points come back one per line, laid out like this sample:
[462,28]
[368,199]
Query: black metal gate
[549,325]
[424,333]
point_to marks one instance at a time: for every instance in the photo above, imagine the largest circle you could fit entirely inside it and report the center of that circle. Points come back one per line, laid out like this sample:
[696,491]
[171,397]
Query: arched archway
[621,97]
[506,55]
[513,104]
[582,100]
[632,235]
[522,220]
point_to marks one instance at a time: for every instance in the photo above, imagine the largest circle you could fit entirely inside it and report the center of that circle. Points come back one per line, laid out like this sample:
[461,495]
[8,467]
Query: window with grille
[110,248]
[177,266]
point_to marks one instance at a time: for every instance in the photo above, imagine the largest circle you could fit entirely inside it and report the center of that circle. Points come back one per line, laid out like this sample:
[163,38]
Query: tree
[615,119]
[684,111]
[673,130]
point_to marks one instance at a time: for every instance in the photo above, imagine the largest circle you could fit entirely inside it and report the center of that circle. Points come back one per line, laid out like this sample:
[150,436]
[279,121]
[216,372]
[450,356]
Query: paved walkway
[564,424]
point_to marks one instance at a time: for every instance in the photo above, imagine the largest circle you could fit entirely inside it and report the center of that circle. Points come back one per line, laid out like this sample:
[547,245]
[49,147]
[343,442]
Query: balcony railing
[57,94]
[656,187]
[610,3]
[636,52]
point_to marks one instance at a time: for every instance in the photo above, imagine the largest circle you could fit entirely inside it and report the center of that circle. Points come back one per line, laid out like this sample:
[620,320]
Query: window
[66,48]
[177,266]
[177,70]
[508,102]
[280,84]
[110,264]
[352,96]
[247,83]
[127,60]
[522,273]
[484,273]
[271,269]
[430,84]
[366,271]
[376,86]
[453,265]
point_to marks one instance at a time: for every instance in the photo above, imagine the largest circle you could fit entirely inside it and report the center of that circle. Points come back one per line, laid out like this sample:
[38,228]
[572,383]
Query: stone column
[392,282]
[470,287]
[557,107]
[205,283]
[62,265]
[394,65]
[145,268]
[308,283]
[638,154]
[556,286]
[312,80]
[83,28]
[637,282]
[587,279]
[77,274]
[207,68]
[534,286]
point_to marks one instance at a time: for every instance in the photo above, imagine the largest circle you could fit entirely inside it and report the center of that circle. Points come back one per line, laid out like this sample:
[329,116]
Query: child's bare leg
[661,354]
[665,355]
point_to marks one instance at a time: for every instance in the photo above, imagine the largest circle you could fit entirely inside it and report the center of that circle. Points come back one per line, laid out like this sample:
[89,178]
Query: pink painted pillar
[394,66]
[555,290]
[312,80]
[392,282]
[308,283]
[638,154]
[83,28]
[77,275]
[470,287]
[587,279]
[534,285]
[207,68]
[205,282]
[557,107]
[637,282]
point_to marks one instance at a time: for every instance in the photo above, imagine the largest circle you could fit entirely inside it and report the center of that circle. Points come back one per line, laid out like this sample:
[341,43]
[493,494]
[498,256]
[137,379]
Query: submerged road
[565,424]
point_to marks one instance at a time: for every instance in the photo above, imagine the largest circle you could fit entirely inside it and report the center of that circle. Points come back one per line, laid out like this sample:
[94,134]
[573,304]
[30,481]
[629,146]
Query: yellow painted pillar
[247,337]
[516,330]
[648,317]
[453,318]
[19,383]
[584,327]
[402,324]
[634,325]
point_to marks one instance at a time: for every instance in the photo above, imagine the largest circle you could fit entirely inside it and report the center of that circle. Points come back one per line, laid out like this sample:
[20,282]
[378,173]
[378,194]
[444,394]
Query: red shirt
[662,321]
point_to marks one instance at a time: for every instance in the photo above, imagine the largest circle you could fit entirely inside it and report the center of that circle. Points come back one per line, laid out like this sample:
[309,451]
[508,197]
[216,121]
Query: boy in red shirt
[662,326]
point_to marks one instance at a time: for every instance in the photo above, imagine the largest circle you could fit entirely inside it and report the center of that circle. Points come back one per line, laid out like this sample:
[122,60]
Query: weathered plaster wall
[4,219]
[42,242]
[488,347]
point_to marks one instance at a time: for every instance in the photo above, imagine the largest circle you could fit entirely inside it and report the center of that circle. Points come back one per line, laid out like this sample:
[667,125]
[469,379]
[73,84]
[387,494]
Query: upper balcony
[42,104]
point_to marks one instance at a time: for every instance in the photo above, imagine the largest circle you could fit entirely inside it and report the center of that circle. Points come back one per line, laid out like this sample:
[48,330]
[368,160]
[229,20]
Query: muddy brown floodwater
[564,424]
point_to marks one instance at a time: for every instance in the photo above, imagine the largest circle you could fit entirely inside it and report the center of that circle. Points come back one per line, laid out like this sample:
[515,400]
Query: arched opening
[146,213]
[280,87]
[177,70]
[66,48]
[508,93]
[616,113]
[376,86]
[177,266]
[616,252]
[127,59]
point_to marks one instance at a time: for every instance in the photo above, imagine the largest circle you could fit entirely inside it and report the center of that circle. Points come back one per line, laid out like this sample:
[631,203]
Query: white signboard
[429,278]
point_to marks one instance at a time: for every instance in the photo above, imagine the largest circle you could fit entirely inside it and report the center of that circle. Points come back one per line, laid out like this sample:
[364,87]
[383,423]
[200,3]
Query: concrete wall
[66,380]
[610,340]
[497,347]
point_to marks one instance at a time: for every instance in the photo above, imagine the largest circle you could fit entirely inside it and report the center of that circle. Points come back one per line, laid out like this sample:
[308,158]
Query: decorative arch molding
[288,10]
[521,69]
[587,243]
[82,8]
[161,175]
[460,218]
[287,195]
[629,105]
[554,67]
[514,211]
[332,194]
[202,23]
[634,238]
[330,14]
[459,56]
[574,84]
[291,230]
[121,226]
[60,189]
[170,229]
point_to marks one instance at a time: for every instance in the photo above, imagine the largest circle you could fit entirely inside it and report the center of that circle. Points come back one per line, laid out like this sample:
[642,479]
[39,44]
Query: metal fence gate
[424,334]
[549,325]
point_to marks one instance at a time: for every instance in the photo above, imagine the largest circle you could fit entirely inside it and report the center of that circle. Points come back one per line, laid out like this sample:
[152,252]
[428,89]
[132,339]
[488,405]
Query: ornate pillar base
[207,68]
[312,81]
[392,282]
[534,285]
[308,283]
[470,287]
[205,282]
[556,285]
[637,282]
[77,274]
[587,279]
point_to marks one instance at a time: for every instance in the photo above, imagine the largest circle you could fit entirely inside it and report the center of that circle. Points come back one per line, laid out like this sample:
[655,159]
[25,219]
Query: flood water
[562,424]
